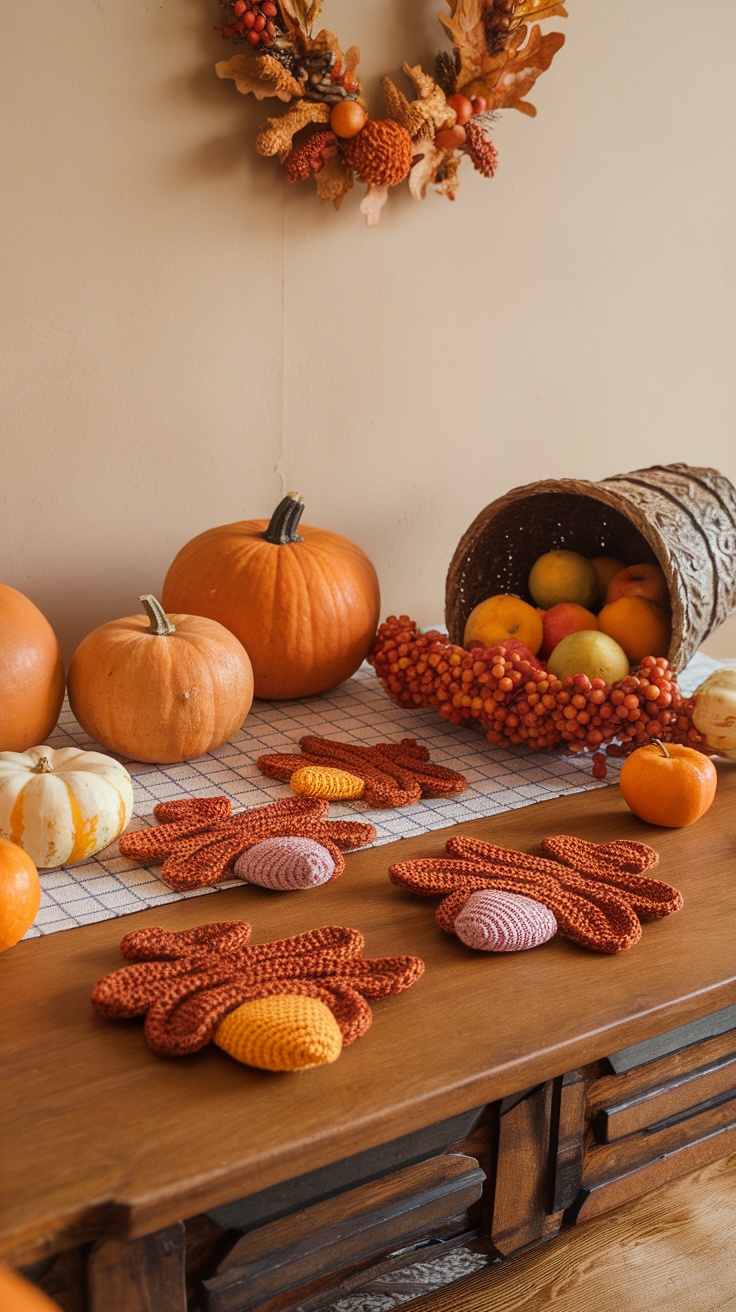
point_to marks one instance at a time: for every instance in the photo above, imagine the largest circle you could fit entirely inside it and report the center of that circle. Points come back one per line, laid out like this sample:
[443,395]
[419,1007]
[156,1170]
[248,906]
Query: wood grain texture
[364,1223]
[101,1137]
[138,1275]
[522,1198]
[673,1251]
[623,1108]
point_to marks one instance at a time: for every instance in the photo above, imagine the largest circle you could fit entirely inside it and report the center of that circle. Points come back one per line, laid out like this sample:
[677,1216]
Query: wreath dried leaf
[506,78]
[466,31]
[299,15]
[334,181]
[372,204]
[420,117]
[427,159]
[279,133]
[262,75]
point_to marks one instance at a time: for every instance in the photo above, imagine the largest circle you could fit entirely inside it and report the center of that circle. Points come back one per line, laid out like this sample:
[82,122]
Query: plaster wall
[184,337]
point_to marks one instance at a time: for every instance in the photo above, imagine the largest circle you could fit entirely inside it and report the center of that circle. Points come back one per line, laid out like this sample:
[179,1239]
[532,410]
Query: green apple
[589,652]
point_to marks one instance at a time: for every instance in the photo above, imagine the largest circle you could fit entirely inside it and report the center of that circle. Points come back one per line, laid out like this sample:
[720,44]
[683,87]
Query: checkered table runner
[499,779]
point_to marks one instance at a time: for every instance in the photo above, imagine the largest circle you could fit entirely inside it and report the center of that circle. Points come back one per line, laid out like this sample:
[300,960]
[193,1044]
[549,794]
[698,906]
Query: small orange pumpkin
[31,673]
[670,786]
[19,1295]
[305,606]
[20,895]
[163,691]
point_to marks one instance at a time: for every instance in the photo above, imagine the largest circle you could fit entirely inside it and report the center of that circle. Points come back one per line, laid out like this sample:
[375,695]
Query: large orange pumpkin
[163,691]
[31,673]
[304,604]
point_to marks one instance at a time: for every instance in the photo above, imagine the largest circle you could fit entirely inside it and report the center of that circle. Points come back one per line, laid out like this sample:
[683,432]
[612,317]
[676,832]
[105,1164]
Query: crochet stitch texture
[600,910]
[326,781]
[286,863]
[493,921]
[395,774]
[200,838]
[186,982]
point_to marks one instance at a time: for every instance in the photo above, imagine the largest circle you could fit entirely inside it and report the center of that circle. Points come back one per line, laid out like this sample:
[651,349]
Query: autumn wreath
[326,132]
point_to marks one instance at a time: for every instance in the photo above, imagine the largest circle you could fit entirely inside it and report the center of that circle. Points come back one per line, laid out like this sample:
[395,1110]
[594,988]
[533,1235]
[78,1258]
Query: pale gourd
[714,712]
[63,805]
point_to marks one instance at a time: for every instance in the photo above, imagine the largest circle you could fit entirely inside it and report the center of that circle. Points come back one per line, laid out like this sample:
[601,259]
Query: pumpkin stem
[285,520]
[160,624]
[42,766]
[656,742]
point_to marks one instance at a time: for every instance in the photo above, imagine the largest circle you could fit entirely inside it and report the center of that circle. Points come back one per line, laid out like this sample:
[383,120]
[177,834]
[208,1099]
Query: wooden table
[485,1103]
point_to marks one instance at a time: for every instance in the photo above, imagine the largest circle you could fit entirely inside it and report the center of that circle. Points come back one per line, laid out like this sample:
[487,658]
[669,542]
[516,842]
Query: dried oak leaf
[424,115]
[334,181]
[261,74]
[299,15]
[507,77]
[279,133]
[372,203]
[467,33]
[427,160]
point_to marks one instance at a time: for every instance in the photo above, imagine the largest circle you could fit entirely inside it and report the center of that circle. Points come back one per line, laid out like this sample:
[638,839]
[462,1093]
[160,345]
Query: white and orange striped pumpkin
[62,805]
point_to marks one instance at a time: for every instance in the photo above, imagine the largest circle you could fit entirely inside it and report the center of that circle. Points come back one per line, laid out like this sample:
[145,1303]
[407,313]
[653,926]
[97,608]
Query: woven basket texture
[679,516]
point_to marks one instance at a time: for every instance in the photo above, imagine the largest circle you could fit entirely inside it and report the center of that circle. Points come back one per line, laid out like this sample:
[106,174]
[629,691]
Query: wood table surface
[101,1137]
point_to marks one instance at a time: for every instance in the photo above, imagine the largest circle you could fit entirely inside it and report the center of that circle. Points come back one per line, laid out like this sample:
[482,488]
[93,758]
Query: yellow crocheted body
[326,781]
[281,1033]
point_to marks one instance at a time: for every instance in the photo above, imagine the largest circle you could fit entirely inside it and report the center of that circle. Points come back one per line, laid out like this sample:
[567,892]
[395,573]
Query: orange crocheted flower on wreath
[326,131]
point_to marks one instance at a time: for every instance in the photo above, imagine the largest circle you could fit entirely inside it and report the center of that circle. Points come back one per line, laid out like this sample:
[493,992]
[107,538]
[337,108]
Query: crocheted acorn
[281,1033]
[326,781]
[286,863]
[264,1004]
[493,921]
[381,153]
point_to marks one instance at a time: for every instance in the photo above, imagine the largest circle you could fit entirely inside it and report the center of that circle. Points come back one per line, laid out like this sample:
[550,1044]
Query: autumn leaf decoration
[327,132]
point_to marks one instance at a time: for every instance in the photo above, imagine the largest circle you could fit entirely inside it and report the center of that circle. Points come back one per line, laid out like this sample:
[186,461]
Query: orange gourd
[670,786]
[20,893]
[165,690]
[31,673]
[305,605]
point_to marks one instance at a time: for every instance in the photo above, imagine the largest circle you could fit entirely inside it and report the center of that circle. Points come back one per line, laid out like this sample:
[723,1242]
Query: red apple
[640,581]
[606,567]
[557,622]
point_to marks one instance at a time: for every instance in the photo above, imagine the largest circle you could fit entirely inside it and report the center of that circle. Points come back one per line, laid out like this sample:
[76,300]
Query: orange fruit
[639,626]
[502,617]
[18,1295]
[668,785]
[559,576]
[20,893]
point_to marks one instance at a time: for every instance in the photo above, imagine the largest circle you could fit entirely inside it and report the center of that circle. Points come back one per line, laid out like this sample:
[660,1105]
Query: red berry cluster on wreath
[252,21]
[516,700]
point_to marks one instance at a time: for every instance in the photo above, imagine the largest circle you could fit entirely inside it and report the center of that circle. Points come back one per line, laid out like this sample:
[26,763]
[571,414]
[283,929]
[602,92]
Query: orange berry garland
[515,700]
[498,54]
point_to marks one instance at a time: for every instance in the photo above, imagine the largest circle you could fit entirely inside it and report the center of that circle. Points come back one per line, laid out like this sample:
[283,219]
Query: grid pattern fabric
[499,779]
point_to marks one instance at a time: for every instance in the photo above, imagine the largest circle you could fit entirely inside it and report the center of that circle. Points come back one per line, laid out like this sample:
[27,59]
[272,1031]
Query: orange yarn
[186,982]
[202,839]
[600,912]
[326,781]
[381,153]
[395,774]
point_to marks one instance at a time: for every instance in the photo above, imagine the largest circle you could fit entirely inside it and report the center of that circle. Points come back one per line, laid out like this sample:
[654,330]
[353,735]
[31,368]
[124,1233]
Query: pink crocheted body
[286,863]
[494,921]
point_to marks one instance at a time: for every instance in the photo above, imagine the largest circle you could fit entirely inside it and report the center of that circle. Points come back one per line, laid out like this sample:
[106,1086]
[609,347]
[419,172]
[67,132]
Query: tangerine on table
[639,626]
[20,893]
[670,785]
[501,617]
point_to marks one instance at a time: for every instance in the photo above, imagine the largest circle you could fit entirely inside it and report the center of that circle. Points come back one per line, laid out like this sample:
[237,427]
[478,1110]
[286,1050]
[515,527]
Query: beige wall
[184,338]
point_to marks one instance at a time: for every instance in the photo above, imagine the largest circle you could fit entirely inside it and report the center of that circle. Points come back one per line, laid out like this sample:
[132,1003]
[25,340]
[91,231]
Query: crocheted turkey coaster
[394,774]
[285,1005]
[201,840]
[600,910]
